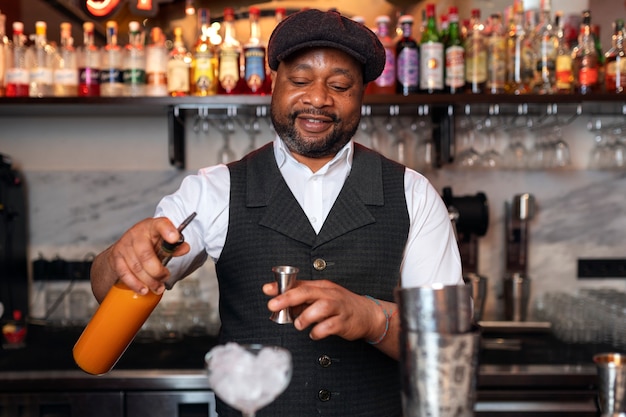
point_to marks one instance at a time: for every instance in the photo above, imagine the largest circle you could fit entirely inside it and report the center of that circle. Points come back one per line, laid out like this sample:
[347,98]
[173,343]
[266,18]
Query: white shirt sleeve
[431,254]
[208,194]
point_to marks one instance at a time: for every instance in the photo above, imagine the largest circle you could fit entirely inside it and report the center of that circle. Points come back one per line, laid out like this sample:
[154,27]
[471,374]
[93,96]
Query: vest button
[325,361]
[323,395]
[319,264]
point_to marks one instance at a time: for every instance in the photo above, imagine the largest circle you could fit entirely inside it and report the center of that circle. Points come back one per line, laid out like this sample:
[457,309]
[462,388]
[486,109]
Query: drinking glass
[226,153]
[248,377]
[469,157]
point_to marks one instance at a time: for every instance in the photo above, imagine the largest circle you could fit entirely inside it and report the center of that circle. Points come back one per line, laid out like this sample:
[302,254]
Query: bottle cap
[88,27]
[406,18]
[18,27]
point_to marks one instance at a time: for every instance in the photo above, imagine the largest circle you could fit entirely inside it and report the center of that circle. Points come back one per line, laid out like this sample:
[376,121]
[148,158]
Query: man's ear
[273,75]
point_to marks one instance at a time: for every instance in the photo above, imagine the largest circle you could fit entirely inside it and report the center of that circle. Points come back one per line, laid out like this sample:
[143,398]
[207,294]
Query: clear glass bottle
[585,59]
[564,78]
[230,78]
[475,56]
[407,59]
[518,81]
[112,73]
[5,51]
[454,55]
[615,61]
[89,64]
[546,47]
[17,75]
[431,55]
[496,56]
[41,68]
[254,52]
[135,62]
[66,69]
[205,61]
[386,81]
[178,66]
[156,64]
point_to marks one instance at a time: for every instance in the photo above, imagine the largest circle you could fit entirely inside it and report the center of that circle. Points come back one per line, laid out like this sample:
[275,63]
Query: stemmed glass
[253,128]
[248,377]
[226,154]
[469,157]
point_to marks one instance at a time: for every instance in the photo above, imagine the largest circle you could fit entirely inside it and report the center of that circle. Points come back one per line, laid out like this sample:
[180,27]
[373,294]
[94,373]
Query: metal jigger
[285,276]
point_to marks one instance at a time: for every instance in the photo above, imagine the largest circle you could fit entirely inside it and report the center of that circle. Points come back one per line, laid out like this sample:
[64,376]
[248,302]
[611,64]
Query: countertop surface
[527,358]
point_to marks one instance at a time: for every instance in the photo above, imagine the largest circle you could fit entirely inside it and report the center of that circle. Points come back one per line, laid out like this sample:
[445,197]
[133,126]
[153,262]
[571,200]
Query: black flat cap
[312,27]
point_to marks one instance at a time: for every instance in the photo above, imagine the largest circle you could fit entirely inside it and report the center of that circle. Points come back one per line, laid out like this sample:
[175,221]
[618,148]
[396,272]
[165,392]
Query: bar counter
[528,371]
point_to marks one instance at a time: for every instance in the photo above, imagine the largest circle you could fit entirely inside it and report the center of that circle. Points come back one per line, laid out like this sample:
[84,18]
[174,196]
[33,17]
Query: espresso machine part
[470,218]
[516,280]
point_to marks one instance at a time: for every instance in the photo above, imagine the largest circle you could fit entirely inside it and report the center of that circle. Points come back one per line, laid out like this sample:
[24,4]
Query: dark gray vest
[360,247]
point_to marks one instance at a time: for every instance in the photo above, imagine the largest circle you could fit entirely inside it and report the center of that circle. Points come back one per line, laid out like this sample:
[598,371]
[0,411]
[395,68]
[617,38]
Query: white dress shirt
[431,254]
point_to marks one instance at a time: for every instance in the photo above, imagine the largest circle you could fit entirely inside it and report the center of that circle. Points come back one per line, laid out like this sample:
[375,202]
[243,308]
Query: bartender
[356,225]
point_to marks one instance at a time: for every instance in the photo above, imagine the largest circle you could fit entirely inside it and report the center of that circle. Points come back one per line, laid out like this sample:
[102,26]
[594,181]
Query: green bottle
[431,54]
[454,55]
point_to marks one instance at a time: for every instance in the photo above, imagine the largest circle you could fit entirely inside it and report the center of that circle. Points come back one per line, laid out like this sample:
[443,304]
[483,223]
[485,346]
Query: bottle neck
[407,30]
[255,29]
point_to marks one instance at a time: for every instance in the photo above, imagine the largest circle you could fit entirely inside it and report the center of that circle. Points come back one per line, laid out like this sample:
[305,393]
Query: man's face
[316,101]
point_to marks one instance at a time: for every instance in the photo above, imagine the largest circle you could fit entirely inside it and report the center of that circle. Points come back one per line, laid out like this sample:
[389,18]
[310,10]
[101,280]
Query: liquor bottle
[88,64]
[230,55]
[431,55]
[475,56]
[615,77]
[518,80]
[66,69]
[112,73]
[407,59]
[496,56]
[5,52]
[454,55]
[17,76]
[205,61]
[134,68]
[41,68]
[254,52]
[595,31]
[585,59]
[112,328]
[156,64]
[563,73]
[386,81]
[178,66]
[546,46]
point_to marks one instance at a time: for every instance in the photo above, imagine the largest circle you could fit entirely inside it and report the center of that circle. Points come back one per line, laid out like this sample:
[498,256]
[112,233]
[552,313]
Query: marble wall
[90,178]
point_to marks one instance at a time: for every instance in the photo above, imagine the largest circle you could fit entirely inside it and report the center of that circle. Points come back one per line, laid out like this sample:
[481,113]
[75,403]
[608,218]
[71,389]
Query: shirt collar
[344,156]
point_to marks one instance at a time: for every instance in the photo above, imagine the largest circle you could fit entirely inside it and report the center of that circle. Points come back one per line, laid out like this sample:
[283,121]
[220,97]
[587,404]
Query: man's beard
[326,146]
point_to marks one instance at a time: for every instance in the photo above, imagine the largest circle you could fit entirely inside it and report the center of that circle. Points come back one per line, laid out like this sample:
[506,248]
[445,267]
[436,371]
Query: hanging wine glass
[226,154]
[252,128]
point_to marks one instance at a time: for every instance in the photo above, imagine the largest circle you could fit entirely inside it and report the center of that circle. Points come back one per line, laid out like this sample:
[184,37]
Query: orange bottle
[112,328]
[118,319]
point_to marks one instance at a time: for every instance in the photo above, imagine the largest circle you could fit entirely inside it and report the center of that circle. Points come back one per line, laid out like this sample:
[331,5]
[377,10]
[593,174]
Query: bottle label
[177,76]
[408,67]
[156,78]
[388,76]
[476,67]
[616,75]
[588,76]
[17,76]
[41,75]
[229,69]
[66,76]
[204,74]
[563,72]
[455,66]
[89,76]
[111,76]
[134,76]
[431,66]
[255,68]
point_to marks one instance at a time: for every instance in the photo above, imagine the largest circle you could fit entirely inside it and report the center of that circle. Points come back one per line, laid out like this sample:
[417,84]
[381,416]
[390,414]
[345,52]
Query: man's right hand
[133,259]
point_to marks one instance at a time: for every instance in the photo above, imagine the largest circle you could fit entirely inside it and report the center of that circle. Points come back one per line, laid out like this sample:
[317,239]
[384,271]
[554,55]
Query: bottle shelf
[442,108]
